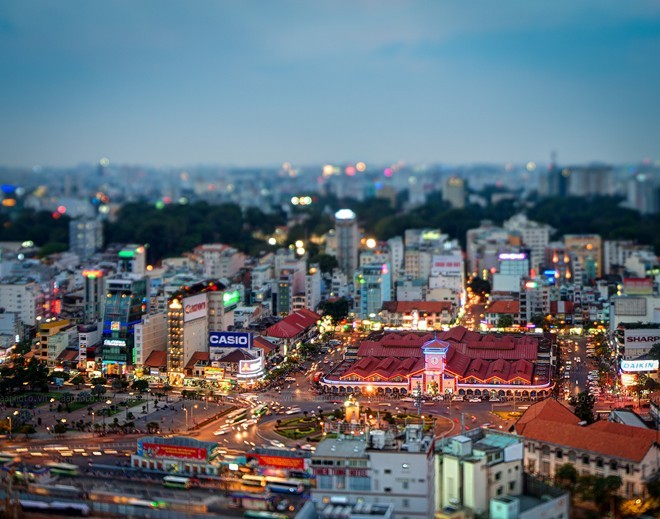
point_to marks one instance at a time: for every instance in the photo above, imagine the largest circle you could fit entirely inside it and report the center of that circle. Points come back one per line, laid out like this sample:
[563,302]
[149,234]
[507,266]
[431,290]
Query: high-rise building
[132,260]
[535,236]
[348,240]
[93,295]
[85,237]
[453,192]
[220,261]
[372,287]
[126,302]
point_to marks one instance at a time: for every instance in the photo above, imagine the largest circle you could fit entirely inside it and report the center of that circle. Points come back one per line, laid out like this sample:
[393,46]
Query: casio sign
[230,339]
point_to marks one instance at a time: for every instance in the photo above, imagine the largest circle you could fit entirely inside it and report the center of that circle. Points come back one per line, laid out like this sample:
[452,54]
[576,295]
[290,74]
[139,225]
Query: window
[512,486]
[559,454]
[404,485]
[585,460]
[405,503]
[498,476]
[388,489]
[388,471]
[500,491]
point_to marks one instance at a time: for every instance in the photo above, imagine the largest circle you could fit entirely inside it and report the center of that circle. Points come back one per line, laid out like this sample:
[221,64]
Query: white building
[85,237]
[535,236]
[23,296]
[150,335]
[378,470]
[220,261]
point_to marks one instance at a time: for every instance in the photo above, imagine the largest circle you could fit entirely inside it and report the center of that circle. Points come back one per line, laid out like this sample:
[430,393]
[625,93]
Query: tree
[479,286]
[98,391]
[566,476]
[116,384]
[505,321]
[27,430]
[141,385]
[338,309]
[99,380]
[654,353]
[78,380]
[59,428]
[153,427]
[583,405]
[66,399]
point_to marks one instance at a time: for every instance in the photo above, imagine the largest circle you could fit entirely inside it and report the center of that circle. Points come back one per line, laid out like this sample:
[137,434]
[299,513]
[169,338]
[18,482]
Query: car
[474,399]
[307,447]
[457,398]
[277,443]
[293,411]
[494,399]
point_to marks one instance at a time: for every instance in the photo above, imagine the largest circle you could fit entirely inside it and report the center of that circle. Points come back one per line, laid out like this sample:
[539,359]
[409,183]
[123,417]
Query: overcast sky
[183,82]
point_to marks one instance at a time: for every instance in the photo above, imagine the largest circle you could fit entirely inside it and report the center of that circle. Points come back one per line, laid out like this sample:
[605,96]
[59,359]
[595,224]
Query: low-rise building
[376,468]
[553,436]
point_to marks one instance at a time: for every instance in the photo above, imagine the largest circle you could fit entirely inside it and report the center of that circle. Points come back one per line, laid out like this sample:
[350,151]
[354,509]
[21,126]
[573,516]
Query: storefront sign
[279,462]
[250,367]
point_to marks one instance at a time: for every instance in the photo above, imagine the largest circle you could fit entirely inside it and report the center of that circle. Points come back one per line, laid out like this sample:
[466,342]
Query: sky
[215,82]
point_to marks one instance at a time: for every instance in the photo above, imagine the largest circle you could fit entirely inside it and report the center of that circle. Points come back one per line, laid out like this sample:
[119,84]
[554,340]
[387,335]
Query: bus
[285,488]
[236,416]
[259,411]
[262,514]
[177,482]
[63,469]
[253,481]
[291,481]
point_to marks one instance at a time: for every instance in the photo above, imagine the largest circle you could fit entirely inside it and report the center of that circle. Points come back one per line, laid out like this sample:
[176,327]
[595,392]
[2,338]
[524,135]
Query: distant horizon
[540,166]
[170,84]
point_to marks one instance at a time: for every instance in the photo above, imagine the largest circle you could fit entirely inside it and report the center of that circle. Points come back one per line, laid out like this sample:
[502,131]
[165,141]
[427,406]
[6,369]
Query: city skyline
[162,84]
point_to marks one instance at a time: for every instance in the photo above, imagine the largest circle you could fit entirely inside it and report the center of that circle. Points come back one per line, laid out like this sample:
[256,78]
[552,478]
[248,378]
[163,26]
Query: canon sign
[194,307]
[230,339]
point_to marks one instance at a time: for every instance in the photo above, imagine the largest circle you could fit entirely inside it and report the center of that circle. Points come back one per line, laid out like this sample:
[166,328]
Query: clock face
[434,360]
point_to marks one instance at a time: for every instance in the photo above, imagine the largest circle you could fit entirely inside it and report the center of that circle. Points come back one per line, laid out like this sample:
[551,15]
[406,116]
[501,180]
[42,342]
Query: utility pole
[418,399]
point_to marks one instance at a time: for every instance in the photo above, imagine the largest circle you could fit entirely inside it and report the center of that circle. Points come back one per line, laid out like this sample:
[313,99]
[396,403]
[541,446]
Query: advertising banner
[194,307]
[159,450]
[280,462]
[250,367]
[639,365]
[230,339]
[641,337]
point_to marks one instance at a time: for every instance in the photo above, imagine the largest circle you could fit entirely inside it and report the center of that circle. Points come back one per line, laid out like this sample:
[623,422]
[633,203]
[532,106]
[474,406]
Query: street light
[186,410]
[10,427]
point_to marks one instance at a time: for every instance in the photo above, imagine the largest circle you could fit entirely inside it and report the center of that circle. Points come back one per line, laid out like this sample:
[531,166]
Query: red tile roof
[504,307]
[156,359]
[198,356]
[235,356]
[550,422]
[548,409]
[68,355]
[264,344]
[513,355]
[293,324]
[386,368]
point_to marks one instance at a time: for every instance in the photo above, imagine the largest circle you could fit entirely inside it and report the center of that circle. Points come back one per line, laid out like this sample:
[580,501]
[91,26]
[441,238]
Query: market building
[455,362]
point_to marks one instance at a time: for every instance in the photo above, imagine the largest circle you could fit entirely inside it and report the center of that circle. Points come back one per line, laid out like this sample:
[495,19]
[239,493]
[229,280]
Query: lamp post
[186,411]
[192,413]
[10,427]
[148,391]
[93,419]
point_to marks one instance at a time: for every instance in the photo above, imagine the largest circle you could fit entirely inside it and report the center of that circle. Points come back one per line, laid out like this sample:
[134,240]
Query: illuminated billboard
[230,339]
[639,365]
[194,307]
[250,368]
[231,298]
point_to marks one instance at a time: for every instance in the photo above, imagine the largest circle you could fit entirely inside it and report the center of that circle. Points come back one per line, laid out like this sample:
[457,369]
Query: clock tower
[435,356]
